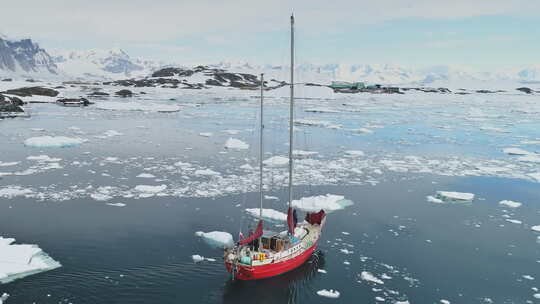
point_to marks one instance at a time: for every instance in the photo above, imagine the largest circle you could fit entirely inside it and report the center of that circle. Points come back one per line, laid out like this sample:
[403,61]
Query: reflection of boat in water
[263,254]
[283,289]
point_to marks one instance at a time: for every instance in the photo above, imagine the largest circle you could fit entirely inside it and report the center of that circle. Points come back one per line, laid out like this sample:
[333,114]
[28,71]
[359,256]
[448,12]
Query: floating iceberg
[276,161]
[197,258]
[53,141]
[448,196]
[328,203]
[146,175]
[354,153]
[206,134]
[510,204]
[216,238]
[536,228]
[514,221]
[233,143]
[135,106]
[433,199]
[116,204]
[362,131]
[368,276]
[269,214]
[43,158]
[321,270]
[334,294]
[150,189]
[515,151]
[21,260]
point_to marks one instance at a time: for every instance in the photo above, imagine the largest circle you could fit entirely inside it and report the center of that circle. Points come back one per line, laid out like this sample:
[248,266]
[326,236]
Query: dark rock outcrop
[74,101]
[124,93]
[98,93]
[29,91]
[170,72]
[7,79]
[525,90]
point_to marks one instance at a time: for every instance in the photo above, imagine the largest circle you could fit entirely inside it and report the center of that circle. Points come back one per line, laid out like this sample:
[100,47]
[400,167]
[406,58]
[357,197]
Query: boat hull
[244,272]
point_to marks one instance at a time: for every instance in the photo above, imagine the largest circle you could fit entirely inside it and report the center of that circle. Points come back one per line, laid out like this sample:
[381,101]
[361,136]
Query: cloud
[162,20]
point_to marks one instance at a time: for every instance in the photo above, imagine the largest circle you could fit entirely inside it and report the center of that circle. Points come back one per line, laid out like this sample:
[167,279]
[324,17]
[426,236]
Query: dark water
[141,253]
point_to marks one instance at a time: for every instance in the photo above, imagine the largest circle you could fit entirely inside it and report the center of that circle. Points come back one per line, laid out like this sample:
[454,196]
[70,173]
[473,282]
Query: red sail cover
[290,220]
[253,236]
[315,218]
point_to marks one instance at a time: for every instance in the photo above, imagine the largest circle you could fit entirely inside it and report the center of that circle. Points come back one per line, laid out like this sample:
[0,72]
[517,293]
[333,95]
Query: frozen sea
[118,206]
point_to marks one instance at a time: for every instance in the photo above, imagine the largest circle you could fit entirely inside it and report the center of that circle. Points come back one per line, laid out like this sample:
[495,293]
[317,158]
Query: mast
[291,118]
[261,150]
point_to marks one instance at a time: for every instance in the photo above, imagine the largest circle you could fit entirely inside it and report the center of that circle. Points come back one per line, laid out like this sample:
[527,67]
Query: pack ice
[270,214]
[328,202]
[216,238]
[53,142]
[21,260]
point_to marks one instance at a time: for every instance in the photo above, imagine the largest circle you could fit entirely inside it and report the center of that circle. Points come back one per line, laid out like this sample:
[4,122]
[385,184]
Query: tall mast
[291,119]
[261,150]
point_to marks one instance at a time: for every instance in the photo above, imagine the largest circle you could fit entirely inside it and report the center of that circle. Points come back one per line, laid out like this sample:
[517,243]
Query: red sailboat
[263,254]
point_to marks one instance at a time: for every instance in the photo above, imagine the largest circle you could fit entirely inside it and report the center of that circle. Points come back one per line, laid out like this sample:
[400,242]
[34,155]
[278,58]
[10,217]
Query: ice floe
[334,294]
[510,204]
[208,172]
[536,228]
[116,204]
[328,202]
[514,221]
[206,134]
[354,153]
[216,238]
[137,106]
[4,297]
[236,144]
[515,151]
[449,196]
[321,270]
[368,276]
[43,158]
[8,164]
[276,161]
[20,260]
[270,214]
[148,191]
[53,141]
[146,175]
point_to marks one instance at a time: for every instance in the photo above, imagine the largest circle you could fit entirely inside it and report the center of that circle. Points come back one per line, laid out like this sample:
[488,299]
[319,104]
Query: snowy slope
[25,58]
[104,64]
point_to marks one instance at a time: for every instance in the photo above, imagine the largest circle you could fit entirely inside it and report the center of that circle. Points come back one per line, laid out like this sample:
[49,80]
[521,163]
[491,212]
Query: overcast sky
[487,34]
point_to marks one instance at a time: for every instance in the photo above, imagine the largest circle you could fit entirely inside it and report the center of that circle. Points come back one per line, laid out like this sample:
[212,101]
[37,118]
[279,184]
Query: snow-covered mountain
[104,64]
[25,58]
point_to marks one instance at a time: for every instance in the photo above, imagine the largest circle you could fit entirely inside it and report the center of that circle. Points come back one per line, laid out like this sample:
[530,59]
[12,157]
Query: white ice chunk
[443,301]
[276,161]
[206,134]
[301,153]
[53,141]
[4,297]
[197,258]
[20,260]
[321,270]
[8,164]
[368,276]
[433,199]
[536,228]
[236,144]
[454,196]
[328,202]
[270,214]
[510,204]
[334,294]
[354,153]
[150,189]
[146,175]
[216,238]
[116,204]
[514,221]
[362,131]
[43,158]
